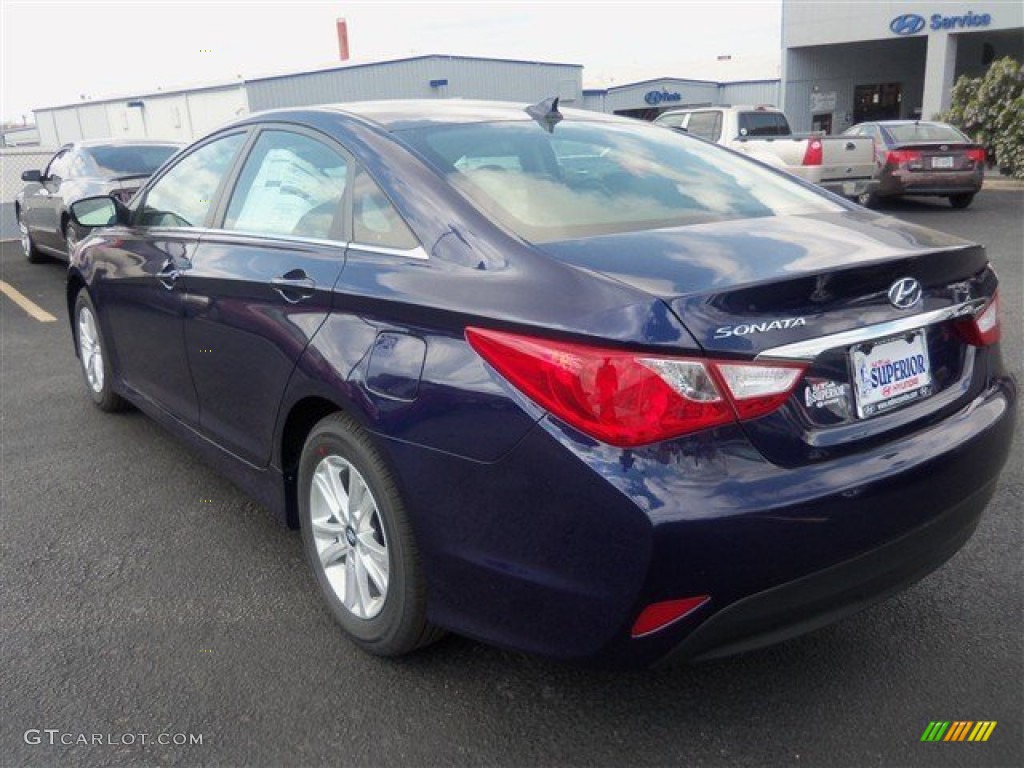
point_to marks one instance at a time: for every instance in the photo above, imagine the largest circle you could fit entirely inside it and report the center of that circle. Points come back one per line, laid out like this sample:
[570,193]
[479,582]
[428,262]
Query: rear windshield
[763,124]
[138,160]
[589,178]
[924,132]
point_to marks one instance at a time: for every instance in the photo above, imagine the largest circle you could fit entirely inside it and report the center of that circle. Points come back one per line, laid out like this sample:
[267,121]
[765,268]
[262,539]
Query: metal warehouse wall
[840,67]
[410,79]
[752,92]
[180,116]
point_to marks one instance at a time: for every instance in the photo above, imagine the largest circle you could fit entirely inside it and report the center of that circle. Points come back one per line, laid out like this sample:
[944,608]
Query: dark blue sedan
[559,381]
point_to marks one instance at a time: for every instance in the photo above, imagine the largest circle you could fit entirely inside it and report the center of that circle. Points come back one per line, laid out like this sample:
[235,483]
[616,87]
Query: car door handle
[850,146]
[168,274]
[294,286]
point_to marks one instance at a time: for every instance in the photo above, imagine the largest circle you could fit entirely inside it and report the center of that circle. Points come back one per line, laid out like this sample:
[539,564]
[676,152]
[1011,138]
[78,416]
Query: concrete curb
[1003,183]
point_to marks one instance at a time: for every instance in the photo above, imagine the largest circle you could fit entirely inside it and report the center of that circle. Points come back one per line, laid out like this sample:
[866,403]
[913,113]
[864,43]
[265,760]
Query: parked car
[915,157]
[560,381]
[842,165]
[78,170]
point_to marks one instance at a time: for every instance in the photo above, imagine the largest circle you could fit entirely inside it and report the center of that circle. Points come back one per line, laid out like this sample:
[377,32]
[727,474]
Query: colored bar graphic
[958,730]
[935,730]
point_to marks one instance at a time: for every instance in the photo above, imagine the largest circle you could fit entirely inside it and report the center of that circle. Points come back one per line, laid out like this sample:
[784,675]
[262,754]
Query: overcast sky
[54,53]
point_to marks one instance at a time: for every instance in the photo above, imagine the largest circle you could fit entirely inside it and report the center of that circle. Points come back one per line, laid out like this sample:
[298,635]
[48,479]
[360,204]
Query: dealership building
[844,63]
[841,63]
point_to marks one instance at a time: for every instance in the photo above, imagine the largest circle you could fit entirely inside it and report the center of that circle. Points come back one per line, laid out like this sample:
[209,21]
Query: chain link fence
[13,162]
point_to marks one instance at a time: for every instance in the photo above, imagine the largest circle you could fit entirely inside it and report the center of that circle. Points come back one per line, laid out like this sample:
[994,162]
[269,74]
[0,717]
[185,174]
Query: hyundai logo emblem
[907,24]
[905,293]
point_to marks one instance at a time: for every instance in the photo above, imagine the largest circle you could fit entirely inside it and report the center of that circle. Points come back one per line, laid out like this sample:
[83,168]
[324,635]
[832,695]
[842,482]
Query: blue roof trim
[443,56]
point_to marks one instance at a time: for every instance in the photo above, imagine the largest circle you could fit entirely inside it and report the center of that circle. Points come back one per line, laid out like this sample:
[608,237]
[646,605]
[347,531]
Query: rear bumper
[931,184]
[568,540]
[820,598]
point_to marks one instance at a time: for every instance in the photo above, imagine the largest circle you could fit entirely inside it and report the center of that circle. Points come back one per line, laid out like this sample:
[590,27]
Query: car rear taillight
[628,399]
[977,155]
[983,329]
[813,155]
[904,158]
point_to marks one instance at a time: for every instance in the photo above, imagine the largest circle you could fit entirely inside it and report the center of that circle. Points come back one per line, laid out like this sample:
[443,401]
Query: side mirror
[103,211]
[31,176]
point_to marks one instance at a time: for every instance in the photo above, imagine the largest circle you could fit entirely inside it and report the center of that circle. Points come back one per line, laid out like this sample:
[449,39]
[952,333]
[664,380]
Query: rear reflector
[659,615]
[814,154]
[628,399]
[983,329]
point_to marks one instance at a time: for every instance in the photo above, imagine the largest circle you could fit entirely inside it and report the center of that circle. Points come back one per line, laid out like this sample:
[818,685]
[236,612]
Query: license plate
[942,162]
[890,373]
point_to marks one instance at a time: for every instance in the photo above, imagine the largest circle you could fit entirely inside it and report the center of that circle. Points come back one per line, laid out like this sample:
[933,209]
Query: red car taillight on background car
[628,399]
[977,156]
[814,154]
[904,158]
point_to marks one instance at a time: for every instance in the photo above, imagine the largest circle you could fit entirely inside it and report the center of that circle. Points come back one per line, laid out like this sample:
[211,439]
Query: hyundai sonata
[559,381]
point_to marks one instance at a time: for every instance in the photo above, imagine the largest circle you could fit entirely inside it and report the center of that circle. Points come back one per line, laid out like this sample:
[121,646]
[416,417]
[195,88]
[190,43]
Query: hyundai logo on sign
[905,293]
[656,97]
[907,24]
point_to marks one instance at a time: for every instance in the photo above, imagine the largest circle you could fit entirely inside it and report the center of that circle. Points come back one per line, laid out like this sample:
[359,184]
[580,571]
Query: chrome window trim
[419,252]
[811,348]
[241,234]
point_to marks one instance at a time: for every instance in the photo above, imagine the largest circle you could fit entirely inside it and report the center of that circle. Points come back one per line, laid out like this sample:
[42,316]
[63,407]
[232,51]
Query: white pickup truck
[841,164]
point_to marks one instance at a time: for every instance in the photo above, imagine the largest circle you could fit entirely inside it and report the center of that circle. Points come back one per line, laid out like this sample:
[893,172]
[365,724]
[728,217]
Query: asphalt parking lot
[143,594]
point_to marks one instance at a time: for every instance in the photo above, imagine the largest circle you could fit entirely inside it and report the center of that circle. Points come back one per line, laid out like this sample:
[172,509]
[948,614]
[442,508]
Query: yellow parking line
[33,309]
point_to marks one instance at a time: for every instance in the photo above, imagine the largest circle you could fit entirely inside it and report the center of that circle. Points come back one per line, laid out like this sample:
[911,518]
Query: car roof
[402,114]
[905,122]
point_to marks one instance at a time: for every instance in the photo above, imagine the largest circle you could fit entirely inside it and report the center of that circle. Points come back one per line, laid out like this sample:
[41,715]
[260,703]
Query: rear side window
[183,196]
[291,184]
[375,220]
[763,124]
[706,125]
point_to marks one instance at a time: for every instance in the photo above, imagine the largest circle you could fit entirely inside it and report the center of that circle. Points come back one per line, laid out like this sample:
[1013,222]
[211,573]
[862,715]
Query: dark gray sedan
[78,170]
[916,157]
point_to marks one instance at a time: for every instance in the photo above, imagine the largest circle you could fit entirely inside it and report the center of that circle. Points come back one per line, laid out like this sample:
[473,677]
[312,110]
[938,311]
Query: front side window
[59,166]
[591,178]
[375,220]
[292,185]
[183,196]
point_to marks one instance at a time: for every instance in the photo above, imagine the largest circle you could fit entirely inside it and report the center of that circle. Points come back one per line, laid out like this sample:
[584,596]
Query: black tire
[961,201]
[98,386]
[28,247]
[868,200]
[71,237]
[335,447]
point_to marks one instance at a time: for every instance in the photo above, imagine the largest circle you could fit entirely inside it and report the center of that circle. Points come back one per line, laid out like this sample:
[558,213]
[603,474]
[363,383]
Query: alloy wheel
[349,537]
[90,352]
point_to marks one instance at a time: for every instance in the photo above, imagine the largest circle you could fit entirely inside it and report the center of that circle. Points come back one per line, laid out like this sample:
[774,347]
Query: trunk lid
[806,287]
